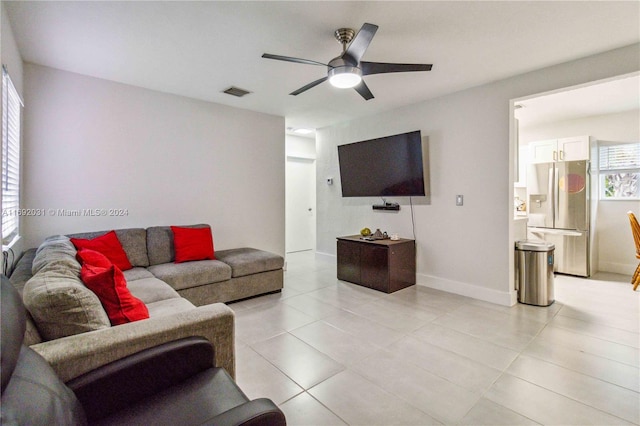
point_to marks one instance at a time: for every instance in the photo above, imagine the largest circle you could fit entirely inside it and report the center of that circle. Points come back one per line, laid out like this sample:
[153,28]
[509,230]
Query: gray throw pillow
[61,305]
[53,249]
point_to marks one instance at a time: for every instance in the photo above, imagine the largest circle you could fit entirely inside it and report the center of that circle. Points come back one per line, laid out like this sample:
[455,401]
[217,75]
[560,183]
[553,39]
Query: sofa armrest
[141,375]
[74,355]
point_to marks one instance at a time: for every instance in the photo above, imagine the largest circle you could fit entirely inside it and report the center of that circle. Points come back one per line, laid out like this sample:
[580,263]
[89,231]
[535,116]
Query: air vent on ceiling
[236,91]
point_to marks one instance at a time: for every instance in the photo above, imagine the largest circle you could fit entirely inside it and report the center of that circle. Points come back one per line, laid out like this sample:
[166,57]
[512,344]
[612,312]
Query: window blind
[620,157]
[10,159]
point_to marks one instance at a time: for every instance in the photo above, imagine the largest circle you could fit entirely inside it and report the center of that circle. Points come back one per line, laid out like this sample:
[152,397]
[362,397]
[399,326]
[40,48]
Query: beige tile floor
[333,353]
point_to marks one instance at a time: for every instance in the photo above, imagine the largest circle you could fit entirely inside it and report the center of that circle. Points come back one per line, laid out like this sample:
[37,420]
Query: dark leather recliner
[171,384]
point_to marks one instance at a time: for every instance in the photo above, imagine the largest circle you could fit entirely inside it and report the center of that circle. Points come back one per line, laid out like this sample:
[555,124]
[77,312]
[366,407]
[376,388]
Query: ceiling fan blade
[381,67]
[308,86]
[360,42]
[290,59]
[364,91]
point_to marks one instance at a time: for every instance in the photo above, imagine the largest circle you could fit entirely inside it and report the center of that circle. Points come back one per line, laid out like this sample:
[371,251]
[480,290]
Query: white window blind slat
[620,157]
[10,159]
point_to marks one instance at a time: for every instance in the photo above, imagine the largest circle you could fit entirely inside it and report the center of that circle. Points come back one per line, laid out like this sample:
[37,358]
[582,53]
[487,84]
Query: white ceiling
[617,95]
[199,49]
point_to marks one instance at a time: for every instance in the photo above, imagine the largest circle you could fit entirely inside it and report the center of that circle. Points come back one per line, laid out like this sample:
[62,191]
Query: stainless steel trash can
[534,272]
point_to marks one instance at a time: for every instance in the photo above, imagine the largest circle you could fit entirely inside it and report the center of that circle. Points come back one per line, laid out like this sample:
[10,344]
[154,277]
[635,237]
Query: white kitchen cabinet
[564,149]
[572,149]
[543,151]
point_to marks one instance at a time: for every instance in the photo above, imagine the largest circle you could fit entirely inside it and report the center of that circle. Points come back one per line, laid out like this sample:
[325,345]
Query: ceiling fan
[346,71]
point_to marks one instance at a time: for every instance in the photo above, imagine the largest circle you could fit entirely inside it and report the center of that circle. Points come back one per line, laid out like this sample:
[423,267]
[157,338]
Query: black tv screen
[383,167]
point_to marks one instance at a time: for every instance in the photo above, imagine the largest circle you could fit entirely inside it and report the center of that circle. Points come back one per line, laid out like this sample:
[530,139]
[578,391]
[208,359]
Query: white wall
[92,143]
[10,54]
[301,147]
[466,250]
[615,244]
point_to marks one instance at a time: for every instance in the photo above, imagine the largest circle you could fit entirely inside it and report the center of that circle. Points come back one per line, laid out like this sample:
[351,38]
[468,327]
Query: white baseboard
[617,268]
[456,287]
[326,256]
[488,295]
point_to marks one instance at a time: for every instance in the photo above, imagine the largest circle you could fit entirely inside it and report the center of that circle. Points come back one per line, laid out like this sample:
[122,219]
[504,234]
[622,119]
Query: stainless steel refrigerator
[558,196]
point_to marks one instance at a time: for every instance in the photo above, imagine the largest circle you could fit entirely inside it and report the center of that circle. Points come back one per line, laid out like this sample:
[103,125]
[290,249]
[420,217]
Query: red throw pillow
[109,245]
[108,282]
[192,244]
[93,258]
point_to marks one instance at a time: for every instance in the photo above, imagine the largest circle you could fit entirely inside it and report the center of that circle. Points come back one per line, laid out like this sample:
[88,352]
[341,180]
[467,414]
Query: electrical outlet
[459,200]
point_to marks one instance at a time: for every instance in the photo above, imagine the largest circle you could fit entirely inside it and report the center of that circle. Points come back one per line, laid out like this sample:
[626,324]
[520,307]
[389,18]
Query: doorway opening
[606,110]
[300,194]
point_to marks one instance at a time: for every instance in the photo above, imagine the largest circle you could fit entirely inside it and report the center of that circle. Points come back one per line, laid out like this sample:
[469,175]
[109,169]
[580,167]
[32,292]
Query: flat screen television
[383,167]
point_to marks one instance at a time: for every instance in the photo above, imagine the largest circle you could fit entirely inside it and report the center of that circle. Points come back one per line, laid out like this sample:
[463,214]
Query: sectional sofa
[69,327]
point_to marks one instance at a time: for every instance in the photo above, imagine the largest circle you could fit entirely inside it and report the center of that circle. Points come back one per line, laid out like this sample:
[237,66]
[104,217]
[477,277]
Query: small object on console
[386,206]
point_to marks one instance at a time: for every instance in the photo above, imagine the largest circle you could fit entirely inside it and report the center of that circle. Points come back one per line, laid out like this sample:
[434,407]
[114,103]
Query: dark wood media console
[384,265]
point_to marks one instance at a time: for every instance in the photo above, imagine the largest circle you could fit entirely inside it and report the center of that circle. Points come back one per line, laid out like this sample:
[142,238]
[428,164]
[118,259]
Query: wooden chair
[635,230]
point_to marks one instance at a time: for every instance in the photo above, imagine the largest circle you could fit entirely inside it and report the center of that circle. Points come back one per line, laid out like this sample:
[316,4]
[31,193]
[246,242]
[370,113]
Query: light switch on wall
[459,200]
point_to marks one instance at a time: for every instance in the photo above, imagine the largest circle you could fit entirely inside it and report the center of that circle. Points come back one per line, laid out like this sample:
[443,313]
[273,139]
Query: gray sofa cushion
[22,270]
[191,274]
[248,261]
[151,290]
[169,307]
[160,243]
[61,305]
[19,277]
[133,240]
[53,249]
[136,273]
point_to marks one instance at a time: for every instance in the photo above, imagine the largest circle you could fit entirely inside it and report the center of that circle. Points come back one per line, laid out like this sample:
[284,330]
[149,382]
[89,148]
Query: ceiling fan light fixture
[345,77]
